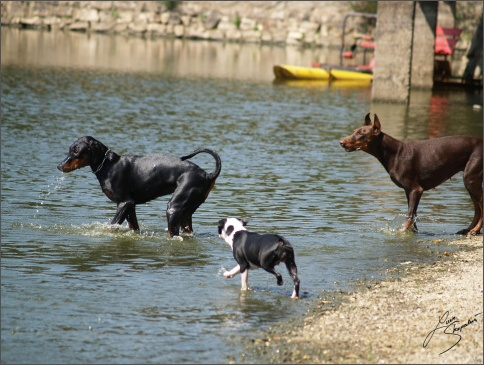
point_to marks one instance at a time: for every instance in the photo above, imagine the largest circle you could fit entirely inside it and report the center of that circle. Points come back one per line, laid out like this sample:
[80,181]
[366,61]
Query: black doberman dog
[423,165]
[131,180]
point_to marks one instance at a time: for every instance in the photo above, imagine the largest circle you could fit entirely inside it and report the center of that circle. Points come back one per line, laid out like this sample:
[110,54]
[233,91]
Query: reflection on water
[76,290]
[170,57]
[432,114]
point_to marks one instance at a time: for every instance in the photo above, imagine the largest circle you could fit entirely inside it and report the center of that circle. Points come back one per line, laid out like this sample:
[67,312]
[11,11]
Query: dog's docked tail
[218,162]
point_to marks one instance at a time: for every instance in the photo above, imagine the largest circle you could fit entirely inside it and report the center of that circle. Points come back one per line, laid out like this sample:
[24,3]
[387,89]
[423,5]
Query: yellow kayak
[325,84]
[300,73]
[349,84]
[289,72]
[348,74]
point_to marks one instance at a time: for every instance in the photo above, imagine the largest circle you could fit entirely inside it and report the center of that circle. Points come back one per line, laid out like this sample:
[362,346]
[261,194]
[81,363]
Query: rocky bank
[424,315]
[305,23]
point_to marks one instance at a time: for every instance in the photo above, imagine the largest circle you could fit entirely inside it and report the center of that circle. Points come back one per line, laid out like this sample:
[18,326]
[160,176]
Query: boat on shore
[324,84]
[351,73]
[319,71]
[290,72]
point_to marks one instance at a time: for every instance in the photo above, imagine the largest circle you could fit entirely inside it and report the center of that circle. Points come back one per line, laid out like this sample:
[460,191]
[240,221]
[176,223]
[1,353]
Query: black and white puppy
[253,251]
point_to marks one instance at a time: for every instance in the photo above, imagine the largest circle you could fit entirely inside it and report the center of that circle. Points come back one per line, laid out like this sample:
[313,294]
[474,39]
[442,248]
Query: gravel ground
[392,320]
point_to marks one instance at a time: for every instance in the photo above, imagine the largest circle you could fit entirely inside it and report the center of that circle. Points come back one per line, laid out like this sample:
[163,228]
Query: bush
[364,6]
[171,5]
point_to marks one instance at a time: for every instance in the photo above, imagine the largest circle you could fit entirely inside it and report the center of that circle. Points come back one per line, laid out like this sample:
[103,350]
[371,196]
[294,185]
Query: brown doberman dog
[423,165]
[131,180]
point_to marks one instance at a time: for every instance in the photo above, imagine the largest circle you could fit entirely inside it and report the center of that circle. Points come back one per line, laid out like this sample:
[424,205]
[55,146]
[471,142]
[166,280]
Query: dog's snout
[62,165]
[342,142]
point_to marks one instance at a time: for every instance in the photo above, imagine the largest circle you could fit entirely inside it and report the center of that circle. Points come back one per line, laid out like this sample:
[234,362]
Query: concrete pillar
[474,55]
[425,21]
[393,53]
[447,12]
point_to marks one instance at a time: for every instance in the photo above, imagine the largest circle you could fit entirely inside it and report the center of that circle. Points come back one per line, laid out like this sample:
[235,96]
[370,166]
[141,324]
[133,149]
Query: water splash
[51,187]
[396,225]
[94,229]
[221,271]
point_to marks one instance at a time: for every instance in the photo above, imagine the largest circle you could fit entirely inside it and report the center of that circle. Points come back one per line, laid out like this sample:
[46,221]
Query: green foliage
[171,5]
[467,16]
[115,13]
[237,21]
[364,6]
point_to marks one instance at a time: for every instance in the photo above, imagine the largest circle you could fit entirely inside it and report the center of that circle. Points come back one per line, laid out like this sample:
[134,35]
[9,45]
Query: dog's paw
[188,233]
[228,275]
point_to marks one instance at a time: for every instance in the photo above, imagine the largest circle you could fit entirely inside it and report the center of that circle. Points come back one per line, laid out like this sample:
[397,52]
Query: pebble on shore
[391,321]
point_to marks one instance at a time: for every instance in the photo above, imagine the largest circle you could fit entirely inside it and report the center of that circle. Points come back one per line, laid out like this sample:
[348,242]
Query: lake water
[75,290]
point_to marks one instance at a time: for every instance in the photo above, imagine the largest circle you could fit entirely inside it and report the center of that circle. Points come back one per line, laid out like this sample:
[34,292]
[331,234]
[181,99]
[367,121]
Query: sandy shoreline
[390,322]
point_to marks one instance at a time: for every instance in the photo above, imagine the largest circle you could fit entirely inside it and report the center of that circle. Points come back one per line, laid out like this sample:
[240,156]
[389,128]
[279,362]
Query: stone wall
[309,23]
[305,23]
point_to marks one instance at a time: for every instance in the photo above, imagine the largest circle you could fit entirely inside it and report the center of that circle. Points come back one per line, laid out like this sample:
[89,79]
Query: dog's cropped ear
[95,146]
[376,126]
[221,224]
[244,221]
[368,119]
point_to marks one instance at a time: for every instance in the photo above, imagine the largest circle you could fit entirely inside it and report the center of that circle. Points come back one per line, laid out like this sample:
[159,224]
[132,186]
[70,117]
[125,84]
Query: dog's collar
[102,163]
